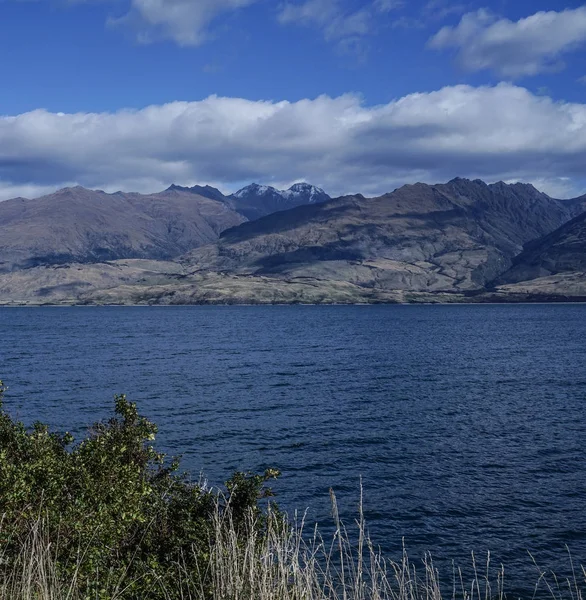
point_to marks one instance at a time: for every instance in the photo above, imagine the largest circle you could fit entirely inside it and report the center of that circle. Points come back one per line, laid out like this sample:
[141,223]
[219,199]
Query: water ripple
[465,423]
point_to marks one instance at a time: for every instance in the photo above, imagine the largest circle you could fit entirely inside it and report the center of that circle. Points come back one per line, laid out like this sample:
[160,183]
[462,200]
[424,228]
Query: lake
[466,423]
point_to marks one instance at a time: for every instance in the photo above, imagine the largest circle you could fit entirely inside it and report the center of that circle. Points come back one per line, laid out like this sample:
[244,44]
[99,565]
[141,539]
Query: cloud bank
[513,49]
[501,132]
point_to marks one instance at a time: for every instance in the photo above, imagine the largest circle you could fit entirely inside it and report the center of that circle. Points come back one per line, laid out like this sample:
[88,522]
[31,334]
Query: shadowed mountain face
[207,191]
[80,225]
[562,251]
[450,237]
[576,205]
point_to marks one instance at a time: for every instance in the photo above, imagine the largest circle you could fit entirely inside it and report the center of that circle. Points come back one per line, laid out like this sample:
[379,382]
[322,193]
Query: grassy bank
[282,563]
[109,517]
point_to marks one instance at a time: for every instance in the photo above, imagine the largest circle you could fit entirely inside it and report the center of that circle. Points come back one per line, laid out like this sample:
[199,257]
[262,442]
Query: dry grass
[287,563]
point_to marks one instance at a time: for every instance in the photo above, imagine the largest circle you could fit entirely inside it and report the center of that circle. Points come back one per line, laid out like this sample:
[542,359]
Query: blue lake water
[466,423]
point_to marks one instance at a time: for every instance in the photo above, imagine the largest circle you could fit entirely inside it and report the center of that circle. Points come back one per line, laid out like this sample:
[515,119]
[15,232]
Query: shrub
[112,506]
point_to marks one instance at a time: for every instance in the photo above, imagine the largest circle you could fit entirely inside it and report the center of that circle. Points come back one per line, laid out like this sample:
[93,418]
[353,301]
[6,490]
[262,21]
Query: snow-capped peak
[256,200]
[255,188]
[312,192]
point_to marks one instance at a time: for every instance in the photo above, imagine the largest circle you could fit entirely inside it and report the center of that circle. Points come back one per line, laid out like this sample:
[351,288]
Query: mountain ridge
[443,242]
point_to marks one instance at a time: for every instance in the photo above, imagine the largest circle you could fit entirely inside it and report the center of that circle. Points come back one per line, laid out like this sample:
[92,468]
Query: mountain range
[459,241]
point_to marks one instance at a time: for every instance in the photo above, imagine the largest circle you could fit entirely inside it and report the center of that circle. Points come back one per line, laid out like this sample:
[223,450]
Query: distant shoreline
[267,304]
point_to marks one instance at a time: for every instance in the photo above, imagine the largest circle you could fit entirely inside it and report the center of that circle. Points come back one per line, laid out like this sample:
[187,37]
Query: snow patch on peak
[255,188]
[265,199]
[313,193]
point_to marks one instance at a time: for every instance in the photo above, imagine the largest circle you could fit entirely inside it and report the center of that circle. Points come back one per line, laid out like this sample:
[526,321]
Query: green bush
[112,506]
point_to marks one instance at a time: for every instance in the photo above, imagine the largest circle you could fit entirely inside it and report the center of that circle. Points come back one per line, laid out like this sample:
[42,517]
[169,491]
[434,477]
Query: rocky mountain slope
[452,237]
[562,251]
[80,225]
[552,265]
[576,205]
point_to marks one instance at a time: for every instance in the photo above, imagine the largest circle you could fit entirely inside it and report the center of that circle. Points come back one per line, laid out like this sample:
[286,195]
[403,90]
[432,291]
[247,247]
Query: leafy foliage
[113,506]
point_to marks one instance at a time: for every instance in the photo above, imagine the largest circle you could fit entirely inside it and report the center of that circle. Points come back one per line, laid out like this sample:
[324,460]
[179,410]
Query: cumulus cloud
[184,21]
[502,132]
[514,49]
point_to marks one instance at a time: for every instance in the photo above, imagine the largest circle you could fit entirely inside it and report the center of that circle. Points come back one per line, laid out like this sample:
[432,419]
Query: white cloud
[502,132]
[188,22]
[436,10]
[386,6]
[514,49]
[330,15]
[309,12]
[184,21]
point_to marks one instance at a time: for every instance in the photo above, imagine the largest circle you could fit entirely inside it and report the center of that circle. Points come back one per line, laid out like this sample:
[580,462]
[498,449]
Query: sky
[354,96]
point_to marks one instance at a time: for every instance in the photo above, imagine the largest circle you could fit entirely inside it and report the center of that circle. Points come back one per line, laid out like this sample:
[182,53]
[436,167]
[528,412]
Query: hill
[82,226]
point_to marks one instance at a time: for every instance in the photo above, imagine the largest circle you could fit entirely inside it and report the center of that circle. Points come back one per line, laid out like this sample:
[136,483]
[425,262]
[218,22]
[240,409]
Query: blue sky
[354,96]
